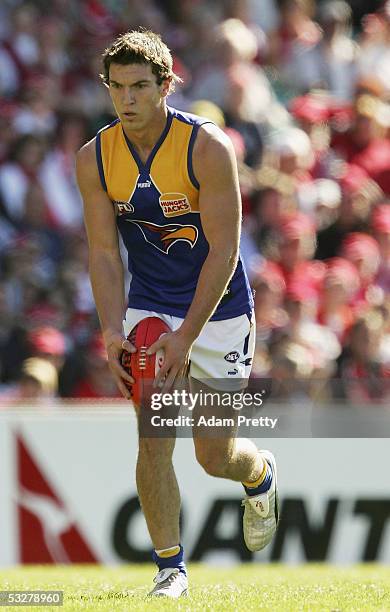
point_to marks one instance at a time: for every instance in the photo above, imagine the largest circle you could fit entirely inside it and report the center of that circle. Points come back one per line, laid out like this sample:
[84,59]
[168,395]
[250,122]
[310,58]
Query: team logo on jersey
[122,207]
[174,204]
[162,237]
[232,357]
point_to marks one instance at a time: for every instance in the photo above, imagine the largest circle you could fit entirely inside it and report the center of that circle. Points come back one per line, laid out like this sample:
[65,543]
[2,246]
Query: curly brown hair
[140,47]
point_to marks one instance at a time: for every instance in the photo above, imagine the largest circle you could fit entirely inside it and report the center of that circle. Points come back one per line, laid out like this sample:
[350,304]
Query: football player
[167,181]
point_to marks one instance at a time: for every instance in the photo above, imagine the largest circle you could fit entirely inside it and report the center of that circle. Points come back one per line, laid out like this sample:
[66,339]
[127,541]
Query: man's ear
[166,86]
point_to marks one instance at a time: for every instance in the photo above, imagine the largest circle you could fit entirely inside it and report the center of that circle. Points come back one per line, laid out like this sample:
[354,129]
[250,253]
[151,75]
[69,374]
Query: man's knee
[213,459]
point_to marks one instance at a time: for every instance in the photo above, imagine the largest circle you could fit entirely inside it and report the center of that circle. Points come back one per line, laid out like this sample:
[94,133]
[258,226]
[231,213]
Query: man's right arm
[105,264]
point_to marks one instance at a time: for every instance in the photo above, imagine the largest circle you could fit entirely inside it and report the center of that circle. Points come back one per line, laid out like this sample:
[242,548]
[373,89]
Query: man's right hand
[115,344]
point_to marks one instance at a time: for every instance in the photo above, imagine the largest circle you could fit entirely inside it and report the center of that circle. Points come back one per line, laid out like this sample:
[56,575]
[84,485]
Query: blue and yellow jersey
[157,212]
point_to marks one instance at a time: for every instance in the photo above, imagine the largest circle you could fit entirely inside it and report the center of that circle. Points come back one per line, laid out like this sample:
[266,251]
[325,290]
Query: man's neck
[145,139]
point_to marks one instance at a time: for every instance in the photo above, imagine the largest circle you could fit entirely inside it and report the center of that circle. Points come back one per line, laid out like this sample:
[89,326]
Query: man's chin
[134,122]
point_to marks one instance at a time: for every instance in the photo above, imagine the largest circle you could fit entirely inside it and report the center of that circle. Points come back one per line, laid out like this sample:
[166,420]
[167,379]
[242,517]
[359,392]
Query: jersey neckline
[145,167]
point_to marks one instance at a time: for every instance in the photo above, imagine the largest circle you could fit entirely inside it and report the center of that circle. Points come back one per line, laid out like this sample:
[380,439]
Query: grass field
[245,587]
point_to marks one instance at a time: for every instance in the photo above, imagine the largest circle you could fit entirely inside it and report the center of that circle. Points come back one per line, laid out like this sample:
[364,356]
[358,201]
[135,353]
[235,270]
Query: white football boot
[170,582]
[261,513]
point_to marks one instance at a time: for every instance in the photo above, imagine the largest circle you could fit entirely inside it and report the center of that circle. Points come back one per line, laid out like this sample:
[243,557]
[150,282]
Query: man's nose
[128,95]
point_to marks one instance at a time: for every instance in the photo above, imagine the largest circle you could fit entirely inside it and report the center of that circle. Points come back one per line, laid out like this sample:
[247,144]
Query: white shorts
[222,354]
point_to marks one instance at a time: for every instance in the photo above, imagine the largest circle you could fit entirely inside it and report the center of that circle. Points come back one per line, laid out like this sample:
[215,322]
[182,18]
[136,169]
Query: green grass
[245,587]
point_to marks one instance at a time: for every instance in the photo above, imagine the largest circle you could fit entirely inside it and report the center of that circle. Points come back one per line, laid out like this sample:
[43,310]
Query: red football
[142,367]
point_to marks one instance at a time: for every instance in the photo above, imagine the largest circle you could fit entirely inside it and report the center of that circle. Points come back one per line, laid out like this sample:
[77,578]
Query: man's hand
[176,347]
[115,345]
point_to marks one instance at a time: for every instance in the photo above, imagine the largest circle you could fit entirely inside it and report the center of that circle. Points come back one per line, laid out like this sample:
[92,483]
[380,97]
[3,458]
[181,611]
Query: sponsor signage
[68,495]
[174,204]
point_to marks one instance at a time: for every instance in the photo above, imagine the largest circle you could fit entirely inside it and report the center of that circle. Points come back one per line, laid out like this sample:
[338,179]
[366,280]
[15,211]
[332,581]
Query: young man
[168,182]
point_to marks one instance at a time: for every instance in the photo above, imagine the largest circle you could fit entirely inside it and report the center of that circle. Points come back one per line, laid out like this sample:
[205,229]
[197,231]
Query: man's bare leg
[231,458]
[224,455]
[158,490]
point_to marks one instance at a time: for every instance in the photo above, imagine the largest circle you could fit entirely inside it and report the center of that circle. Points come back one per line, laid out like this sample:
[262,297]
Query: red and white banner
[68,495]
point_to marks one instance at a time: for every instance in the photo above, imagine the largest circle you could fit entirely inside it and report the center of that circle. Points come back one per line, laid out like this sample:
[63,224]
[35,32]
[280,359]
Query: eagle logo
[162,237]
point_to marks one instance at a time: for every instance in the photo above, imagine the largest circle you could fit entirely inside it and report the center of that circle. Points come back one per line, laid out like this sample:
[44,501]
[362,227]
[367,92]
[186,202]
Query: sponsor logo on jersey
[232,357]
[121,207]
[162,237]
[144,185]
[174,204]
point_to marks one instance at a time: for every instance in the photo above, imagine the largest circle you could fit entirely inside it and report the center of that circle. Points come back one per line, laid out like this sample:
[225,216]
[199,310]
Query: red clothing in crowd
[373,158]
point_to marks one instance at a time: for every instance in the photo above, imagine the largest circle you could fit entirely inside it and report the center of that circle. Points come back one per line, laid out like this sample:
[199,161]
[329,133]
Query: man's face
[135,94]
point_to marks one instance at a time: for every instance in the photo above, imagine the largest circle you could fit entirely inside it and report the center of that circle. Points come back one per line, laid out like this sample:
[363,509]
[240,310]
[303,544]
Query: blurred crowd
[302,89]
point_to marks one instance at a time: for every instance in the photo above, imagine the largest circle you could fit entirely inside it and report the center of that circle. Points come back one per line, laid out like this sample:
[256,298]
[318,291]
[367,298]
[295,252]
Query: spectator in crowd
[301,304]
[380,228]
[340,286]
[364,143]
[362,374]
[294,248]
[96,381]
[374,57]
[292,154]
[335,55]
[236,118]
[312,112]
[363,252]
[234,54]
[48,343]
[19,52]
[58,174]
[19,172]
[37,382]
[320,200]
[36,115]
[358,195]
[270,287]
[291,372]
[291,45]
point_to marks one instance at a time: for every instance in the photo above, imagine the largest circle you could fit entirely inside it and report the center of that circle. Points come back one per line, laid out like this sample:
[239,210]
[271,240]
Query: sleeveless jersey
[157,214]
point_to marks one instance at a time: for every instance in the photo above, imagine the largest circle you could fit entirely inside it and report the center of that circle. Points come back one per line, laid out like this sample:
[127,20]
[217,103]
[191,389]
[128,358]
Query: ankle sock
[262,484]
[170,557]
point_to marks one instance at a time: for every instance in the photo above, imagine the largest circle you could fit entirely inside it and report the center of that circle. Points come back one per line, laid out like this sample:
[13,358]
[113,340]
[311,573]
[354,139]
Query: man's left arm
[215,167]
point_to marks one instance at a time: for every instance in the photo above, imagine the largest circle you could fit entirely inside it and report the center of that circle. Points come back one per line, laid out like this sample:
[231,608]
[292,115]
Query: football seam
[142,357]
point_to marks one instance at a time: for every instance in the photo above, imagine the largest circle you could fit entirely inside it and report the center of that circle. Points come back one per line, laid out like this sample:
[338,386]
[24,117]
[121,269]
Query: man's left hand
[176,349]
